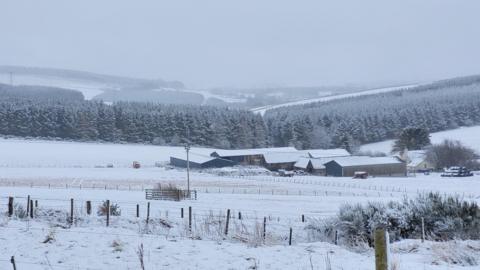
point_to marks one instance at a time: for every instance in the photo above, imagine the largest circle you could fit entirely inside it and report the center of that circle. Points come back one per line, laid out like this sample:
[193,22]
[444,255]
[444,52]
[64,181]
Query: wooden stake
[36,204]
[381,249]
[264,227]
[12,260]
[190,218]
[181,212]
[108,212]
[138,211]
[10,206]
[28,204]
[303,218]
[290,237]
[31,209]
[89,207]
[423,230]
[228,221]
[148,212]
[71,211]
[240,215]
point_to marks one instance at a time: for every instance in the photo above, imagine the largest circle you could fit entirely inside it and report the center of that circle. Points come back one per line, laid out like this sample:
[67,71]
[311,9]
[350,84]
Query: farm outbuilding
[281,161]
[374,166]
[200,161]
[416,161]
[250,156]
[312,165]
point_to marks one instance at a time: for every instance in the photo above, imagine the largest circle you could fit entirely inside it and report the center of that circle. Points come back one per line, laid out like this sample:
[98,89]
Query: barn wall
[279,166]
[332,168]
[217,163]
[398,169]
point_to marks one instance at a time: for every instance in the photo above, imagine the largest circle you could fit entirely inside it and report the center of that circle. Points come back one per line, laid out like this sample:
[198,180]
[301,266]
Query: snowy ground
[469,136]
[54,172]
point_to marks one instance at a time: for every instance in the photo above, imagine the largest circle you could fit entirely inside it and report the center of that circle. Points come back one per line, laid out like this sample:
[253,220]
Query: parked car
[456,171]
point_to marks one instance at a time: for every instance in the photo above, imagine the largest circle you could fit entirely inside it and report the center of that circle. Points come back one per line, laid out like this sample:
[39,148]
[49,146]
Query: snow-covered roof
[364,160]
[415,158]
[323,153]
[281,157]
[196,158]
[316,163]
[255,151]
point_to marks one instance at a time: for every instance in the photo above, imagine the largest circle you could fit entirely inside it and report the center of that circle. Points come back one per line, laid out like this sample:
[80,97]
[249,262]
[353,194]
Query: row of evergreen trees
[349,122]
[76,119]
[53,113]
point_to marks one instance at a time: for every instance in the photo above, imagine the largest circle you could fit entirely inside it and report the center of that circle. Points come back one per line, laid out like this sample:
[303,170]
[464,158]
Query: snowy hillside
[469,136]
[263,109]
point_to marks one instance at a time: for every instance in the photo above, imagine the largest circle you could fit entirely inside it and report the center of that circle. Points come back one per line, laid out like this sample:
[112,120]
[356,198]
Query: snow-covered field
[469,136]
[53,172]
[263,109]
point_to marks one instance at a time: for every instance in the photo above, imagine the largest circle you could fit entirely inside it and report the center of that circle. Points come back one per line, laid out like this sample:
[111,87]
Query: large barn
[200,161]
[374,166]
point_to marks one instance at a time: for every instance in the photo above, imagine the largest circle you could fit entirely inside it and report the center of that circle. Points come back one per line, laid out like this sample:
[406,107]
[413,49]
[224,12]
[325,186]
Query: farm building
[250,156]
[416,161]
[374,166]
[200,161]
[326,153]
[312,165]
[277,161]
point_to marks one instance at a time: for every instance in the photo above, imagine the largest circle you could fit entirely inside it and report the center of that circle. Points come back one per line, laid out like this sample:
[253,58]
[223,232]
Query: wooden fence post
[264,227]
[181,212]
[36,203]
[303,218]
[108,213]
[290,237]
[12,260]
[71,211]
[31,209]
[148,212]
[239,215]
[138,211]
[423,230]
[10,206]
[89,207]
[228,221]
[28,204]
[190,218]
[381,249]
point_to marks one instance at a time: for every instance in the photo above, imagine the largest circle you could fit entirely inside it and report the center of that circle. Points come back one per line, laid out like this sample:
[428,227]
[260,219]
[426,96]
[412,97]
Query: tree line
[346,123]
[47,114]
[352,121]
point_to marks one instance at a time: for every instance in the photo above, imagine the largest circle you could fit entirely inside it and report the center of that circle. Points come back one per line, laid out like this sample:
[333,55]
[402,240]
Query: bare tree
[451,153]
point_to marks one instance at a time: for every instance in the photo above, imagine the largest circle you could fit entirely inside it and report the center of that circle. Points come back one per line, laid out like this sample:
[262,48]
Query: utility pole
[187,148]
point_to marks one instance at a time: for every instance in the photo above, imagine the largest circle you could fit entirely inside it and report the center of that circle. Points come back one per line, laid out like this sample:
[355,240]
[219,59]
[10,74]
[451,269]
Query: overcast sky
[247,42]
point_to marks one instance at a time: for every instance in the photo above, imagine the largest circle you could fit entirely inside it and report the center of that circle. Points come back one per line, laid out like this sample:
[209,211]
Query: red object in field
[136,165]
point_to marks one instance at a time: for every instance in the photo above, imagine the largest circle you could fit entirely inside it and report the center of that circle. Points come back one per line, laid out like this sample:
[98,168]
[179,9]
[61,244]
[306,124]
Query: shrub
[114,209]
[445,218]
